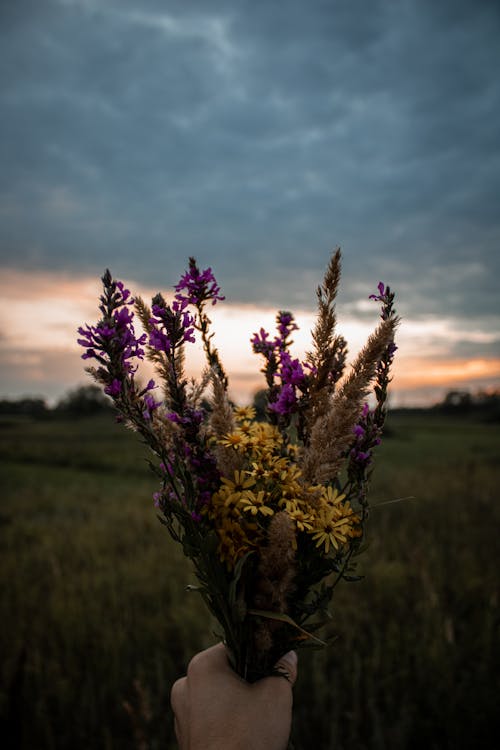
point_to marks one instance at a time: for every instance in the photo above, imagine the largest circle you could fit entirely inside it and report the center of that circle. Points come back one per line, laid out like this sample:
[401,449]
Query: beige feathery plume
[331,432]
[221,423]
[329,349]
[275,577]
[196,389]
[162,365]
[276,566]
[143,313]
[221,418]
[323,334]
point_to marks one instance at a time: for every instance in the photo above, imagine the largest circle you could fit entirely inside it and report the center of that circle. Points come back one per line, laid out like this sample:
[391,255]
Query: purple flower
[382,291]
[286,324]
[361,457]
[260,343]
[124,292]
[113,339]
[192,417]
[171,326]
[199,286]
[291,371]
[149,406]
[286,401]
[114,388]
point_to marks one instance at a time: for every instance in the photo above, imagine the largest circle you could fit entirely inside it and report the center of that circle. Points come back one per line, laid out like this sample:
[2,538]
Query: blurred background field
[97,624]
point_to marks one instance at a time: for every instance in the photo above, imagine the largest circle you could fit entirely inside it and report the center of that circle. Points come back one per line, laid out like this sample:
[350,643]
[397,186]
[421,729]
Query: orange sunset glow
[39,354]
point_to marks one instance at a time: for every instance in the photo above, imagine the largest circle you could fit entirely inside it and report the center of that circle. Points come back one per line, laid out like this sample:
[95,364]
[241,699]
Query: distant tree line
[83,401]
[482,403]
[89,400]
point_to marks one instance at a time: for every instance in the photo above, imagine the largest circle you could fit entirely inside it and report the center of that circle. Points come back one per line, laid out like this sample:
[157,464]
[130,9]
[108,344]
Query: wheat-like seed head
[332,430]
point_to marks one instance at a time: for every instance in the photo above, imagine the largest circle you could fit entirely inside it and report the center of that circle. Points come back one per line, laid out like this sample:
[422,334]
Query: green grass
[96,622]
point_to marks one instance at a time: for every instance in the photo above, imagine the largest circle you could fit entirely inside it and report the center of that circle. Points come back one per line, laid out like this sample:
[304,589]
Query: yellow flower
[288,503]
[334,522]
[258,470]
[277,468]
[289,481]
[332,495]
[246,429]
[244,412]
[255,503]
[234,440]
[234,489]
[233,542]
[303,521]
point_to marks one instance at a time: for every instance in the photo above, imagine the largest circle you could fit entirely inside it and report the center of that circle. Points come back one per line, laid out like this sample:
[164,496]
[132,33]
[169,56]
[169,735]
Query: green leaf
[286,619]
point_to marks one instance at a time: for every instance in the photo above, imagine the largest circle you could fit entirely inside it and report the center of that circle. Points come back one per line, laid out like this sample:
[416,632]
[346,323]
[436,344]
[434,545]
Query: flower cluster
[113,342]
[270,512]
[287,377]
[269,481]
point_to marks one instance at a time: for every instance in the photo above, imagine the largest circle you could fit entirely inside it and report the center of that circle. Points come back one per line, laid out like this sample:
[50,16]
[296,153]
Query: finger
[288,665]
[178,696]
[211,661]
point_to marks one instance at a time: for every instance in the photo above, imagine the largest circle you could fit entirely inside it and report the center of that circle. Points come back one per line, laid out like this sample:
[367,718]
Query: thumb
[287,665]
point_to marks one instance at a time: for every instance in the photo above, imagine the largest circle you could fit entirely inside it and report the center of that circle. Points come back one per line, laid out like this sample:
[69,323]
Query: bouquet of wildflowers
[270,512]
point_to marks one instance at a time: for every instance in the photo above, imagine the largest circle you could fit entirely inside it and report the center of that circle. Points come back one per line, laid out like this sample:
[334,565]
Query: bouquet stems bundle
[272,512]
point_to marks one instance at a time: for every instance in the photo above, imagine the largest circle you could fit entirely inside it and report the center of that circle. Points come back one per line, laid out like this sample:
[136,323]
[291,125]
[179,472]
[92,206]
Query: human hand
[215,709]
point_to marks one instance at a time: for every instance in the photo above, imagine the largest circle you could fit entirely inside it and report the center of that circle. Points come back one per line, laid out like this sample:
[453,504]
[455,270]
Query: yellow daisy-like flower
[266,437]
[258,470]
[289,482]
[246,429]
[254,503]
[236,440]
[303,521]
[277,468]
[288,503]
[244,412]
[331,496]
[233,489]
[334,522]
[329,528]
[233,542]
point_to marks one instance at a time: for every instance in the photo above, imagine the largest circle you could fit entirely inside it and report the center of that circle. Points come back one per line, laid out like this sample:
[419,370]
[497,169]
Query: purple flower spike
[199,286]
[260,343]
[285,324]
[170,326]
[286,401]
[112,342]
[114,389]
[291,371]
[149,406]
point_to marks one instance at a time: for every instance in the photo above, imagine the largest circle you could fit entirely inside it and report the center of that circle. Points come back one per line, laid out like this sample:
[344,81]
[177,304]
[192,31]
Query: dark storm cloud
[257,136]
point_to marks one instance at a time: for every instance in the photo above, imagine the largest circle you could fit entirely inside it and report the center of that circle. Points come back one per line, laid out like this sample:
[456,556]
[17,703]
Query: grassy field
[96,623]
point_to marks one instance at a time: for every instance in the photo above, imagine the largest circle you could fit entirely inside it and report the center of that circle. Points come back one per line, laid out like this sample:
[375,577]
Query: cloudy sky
[256,135]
